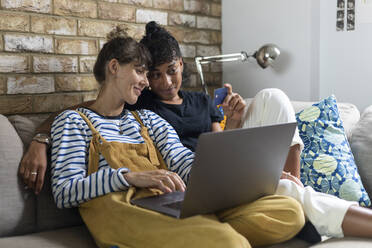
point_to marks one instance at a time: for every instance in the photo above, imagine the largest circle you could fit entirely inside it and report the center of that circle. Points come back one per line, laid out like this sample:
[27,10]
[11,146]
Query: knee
[293,219]
[274,95]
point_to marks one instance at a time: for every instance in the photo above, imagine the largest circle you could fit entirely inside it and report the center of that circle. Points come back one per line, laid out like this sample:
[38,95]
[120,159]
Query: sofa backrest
[20,210]
[349,113]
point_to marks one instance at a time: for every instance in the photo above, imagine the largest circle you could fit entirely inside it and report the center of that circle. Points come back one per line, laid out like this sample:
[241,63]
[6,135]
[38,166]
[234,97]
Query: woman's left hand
[233,107]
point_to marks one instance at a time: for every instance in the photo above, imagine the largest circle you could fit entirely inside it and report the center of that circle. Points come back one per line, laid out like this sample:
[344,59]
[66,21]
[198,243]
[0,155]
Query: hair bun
[117,32]
[153,27]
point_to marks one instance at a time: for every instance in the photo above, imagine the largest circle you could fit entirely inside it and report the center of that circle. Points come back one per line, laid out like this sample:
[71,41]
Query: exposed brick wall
[48,47]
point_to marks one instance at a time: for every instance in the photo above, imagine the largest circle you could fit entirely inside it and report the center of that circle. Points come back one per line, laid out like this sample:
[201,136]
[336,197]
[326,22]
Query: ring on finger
[33,173]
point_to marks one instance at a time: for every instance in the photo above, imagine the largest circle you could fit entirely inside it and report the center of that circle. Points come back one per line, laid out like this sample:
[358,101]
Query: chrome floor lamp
[264,57]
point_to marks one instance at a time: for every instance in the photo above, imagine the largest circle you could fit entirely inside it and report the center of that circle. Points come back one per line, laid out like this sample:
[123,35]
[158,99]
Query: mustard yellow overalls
[114,222]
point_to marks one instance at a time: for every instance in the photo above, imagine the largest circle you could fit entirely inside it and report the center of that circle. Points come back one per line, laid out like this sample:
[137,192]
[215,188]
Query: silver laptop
[230,168]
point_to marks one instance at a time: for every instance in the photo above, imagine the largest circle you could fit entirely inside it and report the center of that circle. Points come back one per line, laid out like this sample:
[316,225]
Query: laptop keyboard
[174,205]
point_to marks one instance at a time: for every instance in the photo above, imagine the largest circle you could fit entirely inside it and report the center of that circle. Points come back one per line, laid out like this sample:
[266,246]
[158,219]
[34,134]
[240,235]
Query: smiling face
[166,79]
[129,81]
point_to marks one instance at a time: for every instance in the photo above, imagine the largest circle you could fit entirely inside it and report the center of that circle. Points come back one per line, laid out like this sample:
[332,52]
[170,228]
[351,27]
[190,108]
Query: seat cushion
[17,205]
[73,237]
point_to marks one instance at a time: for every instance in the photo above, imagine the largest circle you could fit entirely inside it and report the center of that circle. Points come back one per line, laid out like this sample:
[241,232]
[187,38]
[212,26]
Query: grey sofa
[27,220]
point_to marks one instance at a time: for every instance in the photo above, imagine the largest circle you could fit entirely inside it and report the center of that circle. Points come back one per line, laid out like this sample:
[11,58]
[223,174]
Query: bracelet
[43,138]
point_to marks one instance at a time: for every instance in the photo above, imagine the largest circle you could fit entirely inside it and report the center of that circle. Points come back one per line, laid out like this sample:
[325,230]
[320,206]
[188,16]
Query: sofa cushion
[361,145]
[17,205]
[78,237]
[48,215]
[327,164]
[24,127]
[348,112]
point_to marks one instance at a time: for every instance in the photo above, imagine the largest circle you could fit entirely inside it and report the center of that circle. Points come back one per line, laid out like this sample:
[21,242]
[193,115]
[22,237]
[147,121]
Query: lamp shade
[266,55]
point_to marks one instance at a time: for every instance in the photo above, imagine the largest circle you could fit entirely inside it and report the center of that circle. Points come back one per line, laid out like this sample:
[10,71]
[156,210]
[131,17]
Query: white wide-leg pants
[326,212]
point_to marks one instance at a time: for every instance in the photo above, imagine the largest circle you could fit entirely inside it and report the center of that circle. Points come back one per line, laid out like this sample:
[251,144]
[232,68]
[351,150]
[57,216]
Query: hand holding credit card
[219,95]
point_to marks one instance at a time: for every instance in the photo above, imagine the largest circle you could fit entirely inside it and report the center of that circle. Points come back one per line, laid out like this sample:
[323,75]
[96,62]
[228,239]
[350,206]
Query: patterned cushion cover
[327,163]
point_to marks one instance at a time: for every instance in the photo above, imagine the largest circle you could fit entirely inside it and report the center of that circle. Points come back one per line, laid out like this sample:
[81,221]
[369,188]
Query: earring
[149,88]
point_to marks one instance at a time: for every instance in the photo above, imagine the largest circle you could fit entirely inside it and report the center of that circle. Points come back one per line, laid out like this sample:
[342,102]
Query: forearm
[47,124]
[292,164]
[70,191]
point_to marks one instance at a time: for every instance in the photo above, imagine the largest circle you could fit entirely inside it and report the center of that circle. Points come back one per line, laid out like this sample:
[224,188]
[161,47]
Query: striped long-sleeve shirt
[71,137]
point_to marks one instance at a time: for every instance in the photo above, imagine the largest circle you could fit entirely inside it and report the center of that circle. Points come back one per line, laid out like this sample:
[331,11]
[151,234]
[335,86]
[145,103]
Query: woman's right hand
[33,166]
[164,180]
[287,175]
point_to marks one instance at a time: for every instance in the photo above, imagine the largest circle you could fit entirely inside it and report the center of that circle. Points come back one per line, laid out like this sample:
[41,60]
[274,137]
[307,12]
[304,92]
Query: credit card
[219,95]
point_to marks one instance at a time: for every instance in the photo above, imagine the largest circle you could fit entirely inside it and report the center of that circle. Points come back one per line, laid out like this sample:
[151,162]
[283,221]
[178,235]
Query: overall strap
[135,114]
[94,131]
[154,155]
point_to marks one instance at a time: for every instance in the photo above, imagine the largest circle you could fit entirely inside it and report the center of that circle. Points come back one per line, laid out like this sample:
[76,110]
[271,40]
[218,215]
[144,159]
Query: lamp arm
[199,61]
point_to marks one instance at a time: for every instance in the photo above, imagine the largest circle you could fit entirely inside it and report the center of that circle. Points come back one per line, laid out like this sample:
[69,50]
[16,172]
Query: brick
[75,46]
[53,25]
[76,83]
[143,3]
[136,31]
[197,7]
[43,6]
[14,63]
[197,36]
[15,104]
[55,64]
[116,12]
[81,8]
[14,22]
[208,23]
[2,85]
[87,63]
[178,33]
[182,19]
[89,96]
[176,5]
[191,81]
[144,16]
[216,9]
[162,4]
[188,51]
[216,67]
[101,43]
[208,50]
[28,43]
[30,84]
[215,37]
[190,64]
[213,79]
[54,102]
[95,28]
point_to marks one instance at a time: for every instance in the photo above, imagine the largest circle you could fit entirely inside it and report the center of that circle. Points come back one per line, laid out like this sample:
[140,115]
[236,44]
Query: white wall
[345,59]
[316,60]
[248,24]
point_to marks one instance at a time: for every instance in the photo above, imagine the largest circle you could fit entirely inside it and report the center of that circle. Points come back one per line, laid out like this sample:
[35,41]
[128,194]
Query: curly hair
[162,45]
[123,48]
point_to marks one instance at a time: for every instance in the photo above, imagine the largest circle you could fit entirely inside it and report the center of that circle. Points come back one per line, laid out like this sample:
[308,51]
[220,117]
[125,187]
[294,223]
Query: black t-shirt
[191,118]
